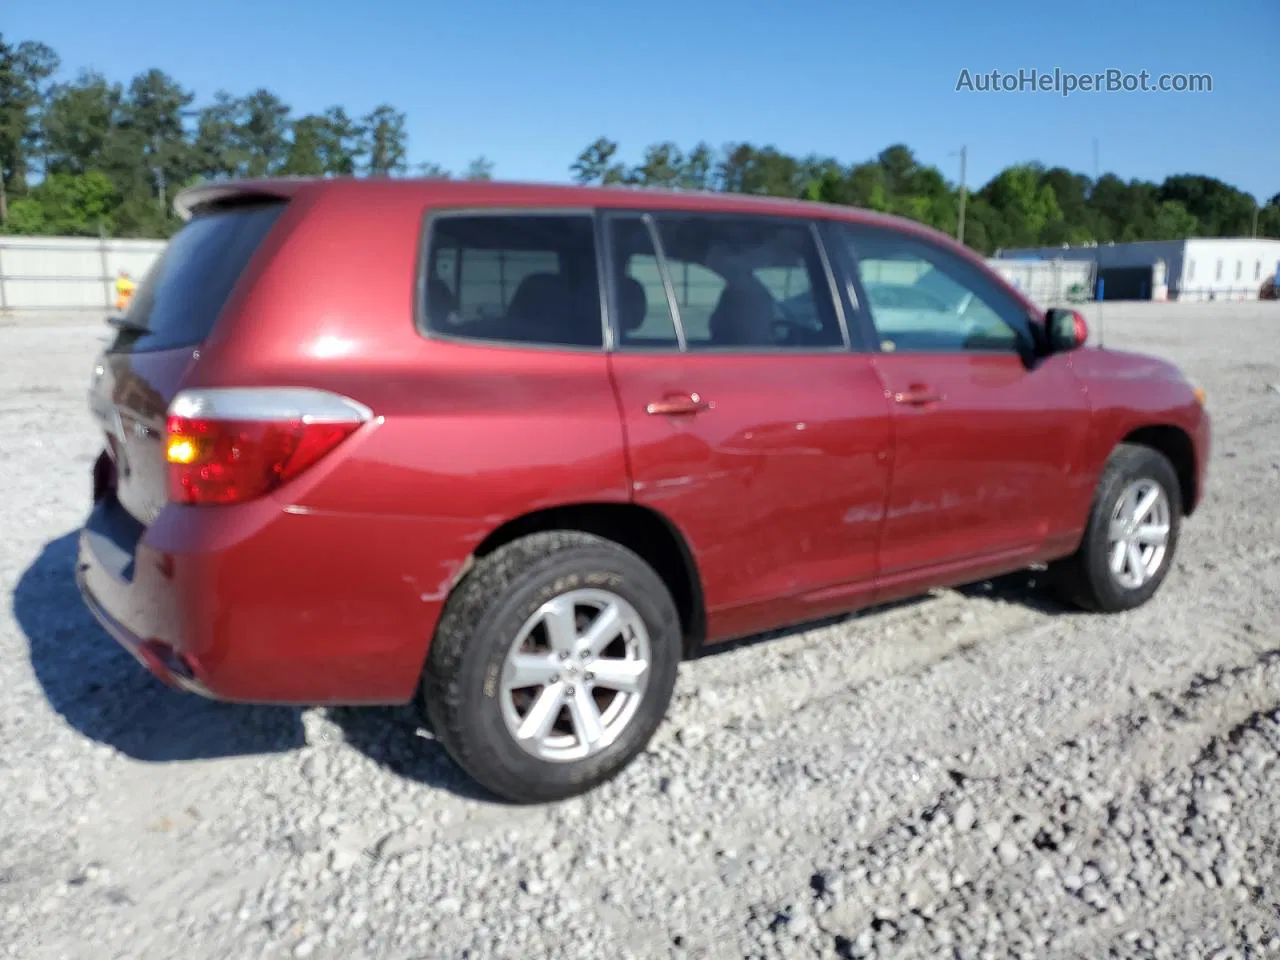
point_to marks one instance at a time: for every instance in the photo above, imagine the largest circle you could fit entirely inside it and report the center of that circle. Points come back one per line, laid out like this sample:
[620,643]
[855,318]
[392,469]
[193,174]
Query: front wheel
[1131,536]
[553,665]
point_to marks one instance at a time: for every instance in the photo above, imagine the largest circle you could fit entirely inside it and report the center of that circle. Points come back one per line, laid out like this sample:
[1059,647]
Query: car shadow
[397,739]
[1025,587]
[103,693]
[866,613]
[106,695]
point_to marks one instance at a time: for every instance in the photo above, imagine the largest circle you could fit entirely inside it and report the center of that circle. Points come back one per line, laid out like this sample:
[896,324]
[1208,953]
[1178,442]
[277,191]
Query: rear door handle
[678,406]
[918,396]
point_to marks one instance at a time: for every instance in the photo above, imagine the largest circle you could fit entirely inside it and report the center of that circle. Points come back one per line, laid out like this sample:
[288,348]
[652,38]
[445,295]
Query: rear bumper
[158,657]
[258,604]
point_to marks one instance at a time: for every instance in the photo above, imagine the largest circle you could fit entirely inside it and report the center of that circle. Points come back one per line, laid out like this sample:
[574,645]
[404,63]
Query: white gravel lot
[978,774]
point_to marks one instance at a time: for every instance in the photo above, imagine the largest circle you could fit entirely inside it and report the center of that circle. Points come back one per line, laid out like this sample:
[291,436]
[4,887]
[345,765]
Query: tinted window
[641,310]
[528,279]
[178,302]
[748,283]
[924,298]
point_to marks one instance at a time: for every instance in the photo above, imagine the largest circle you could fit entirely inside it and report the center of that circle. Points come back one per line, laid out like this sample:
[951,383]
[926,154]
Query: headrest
[743,316]
[633,304]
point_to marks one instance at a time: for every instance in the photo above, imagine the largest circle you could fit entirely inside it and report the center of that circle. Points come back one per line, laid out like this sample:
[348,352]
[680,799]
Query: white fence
[1049,282]
[69,273]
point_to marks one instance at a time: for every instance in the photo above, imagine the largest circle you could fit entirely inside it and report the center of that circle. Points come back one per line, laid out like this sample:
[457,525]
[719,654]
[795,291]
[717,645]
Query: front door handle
[918,396]
[678,406]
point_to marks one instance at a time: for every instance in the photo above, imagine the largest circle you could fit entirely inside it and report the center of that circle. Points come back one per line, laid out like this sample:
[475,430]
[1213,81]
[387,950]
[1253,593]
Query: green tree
[899,166]
[432,171]
[596,164]
[698,168]
[1072,193]
[1269,218]
[386,142]
[868,186]
[481,168]
[327,144]
[1025,203]
[151,126]
[1221,209]
[263,133]
[90,153]
[663,166]
[985,228]
[1123,210]
[341,143]
[760,170]
[79,123]
[218,151]
[67,204]
[1173,222]
[24,70]
[829,186]
[305,157]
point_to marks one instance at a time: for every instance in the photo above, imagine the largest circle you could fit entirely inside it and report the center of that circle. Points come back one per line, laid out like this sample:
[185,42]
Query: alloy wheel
[1138,535]
[575,675]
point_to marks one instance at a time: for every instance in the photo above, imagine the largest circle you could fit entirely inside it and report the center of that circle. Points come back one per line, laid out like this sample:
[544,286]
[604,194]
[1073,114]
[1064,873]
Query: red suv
[512,451]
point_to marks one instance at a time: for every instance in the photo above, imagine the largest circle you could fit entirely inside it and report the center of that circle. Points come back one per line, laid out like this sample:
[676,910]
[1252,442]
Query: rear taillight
[235,444]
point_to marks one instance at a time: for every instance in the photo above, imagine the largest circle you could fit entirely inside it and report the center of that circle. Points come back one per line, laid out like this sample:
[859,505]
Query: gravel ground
[976,774]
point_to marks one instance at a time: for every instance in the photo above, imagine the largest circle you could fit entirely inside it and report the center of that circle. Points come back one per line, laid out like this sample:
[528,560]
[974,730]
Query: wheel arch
[646,532]
[1177,446]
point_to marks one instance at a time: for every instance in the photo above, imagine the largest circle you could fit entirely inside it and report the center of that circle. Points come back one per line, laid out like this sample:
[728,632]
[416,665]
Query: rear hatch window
[179,301]
[173,312]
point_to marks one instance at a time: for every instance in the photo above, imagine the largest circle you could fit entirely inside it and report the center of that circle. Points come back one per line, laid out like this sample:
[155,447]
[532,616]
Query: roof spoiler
[194,199]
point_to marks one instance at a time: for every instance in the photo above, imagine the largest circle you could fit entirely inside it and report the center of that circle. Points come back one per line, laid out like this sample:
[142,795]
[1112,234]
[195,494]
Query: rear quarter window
[178,303]
[513,278]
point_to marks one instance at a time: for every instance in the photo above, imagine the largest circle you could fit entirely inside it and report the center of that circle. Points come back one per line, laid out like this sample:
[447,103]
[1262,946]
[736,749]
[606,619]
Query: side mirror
[1065,330]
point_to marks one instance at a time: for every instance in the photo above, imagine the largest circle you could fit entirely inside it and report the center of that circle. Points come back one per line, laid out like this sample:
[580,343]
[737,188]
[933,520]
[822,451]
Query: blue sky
[529,83]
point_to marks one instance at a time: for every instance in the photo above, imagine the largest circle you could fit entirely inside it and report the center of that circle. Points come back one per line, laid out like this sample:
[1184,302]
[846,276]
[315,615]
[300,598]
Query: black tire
[1086,578]
[460,690]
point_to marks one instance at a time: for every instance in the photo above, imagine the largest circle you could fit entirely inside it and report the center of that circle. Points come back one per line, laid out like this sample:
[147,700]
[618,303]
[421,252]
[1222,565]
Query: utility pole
[1254,234]
[159,169]
[964,191]
[156,146]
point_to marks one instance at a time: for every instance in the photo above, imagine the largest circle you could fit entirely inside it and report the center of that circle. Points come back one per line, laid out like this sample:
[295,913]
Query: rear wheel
[553,665]
[1131,536]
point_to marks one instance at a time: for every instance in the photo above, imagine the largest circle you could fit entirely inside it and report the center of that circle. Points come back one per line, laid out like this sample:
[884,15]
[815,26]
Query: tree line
[1023,205]
[90,156]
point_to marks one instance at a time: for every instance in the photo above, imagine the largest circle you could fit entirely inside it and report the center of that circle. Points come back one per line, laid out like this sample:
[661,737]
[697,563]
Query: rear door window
[642,310]
[178,303]
[513,278]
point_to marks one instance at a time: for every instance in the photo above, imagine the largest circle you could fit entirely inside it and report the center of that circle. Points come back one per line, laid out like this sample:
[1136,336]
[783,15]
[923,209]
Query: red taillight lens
[229,446]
